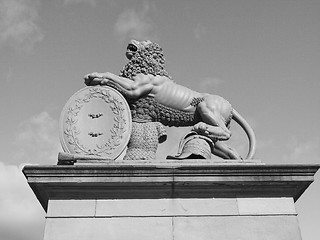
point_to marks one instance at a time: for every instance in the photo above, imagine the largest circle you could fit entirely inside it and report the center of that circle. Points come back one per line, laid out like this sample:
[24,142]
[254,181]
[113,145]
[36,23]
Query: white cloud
[199,31]
[135,24]
[302,151]
[37,140]
[210,83]
[9,76]
[22,217]
[90,2]
[19,23]
[265,144]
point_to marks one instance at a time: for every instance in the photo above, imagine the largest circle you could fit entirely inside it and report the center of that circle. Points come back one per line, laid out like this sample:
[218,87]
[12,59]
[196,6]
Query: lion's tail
[249,131]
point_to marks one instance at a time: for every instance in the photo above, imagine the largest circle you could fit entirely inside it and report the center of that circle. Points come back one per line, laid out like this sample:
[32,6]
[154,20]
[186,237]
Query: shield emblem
[96,121]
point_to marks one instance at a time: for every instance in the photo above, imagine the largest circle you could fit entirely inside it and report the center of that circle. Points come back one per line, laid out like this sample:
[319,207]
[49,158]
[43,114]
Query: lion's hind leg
[213,124]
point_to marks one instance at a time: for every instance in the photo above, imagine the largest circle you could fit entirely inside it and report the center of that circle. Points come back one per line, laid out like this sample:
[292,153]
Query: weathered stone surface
[140,181]
[237,228]
[171,207]
[173,228]
[165,207]
[260,218]
[269,206]
[154,97]
[170,202]
[95,122]
[108,228]
[71,207]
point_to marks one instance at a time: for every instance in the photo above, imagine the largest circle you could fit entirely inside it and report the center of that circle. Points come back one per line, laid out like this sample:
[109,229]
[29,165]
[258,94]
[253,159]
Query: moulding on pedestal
[139,181]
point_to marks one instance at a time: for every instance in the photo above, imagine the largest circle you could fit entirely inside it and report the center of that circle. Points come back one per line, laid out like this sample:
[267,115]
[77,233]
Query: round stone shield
[96,121]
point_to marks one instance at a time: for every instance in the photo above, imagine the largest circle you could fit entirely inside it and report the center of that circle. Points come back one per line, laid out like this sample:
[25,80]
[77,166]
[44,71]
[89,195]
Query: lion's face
[144,57]
[135,46]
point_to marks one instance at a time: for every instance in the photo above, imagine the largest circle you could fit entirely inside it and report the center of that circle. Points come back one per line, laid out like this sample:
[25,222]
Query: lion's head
[144,57]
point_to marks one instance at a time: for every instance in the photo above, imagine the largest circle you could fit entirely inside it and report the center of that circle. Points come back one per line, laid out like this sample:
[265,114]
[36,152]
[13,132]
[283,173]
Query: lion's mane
[150,60]
[147,60]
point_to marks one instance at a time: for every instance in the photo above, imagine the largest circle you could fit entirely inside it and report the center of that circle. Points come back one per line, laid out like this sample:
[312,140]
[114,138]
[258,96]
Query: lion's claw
[201,127]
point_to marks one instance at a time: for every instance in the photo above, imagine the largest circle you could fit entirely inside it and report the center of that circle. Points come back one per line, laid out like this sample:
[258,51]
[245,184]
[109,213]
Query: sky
[263,56]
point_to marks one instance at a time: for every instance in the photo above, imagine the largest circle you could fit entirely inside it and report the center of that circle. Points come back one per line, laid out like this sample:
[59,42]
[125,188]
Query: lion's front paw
[94,78]
[213,132]
[88,78]
[201,128]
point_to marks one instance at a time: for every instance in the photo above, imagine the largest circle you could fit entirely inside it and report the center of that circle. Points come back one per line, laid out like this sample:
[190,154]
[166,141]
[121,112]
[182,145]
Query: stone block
[108,228]
[266,206]
[170,202]
[166,207]
[237,228]
[75,208]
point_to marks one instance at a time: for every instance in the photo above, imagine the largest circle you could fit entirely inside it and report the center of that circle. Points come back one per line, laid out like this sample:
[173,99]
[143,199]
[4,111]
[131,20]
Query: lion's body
[178,97]
[153,96]
[173,104]
[173,95]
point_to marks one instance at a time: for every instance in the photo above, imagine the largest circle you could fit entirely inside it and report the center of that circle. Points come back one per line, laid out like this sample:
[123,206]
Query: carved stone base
[170,201]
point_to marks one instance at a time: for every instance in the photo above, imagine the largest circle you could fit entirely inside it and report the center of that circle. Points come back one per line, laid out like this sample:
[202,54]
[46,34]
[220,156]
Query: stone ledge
[172,162]
[168,181]
[174,228]
[170,207]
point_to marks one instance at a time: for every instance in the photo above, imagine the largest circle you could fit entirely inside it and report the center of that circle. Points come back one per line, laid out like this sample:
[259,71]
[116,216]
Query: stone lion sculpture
[154,97]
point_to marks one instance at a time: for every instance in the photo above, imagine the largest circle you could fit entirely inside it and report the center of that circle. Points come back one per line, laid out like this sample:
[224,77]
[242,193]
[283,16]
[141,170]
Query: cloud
[18,23]
[263,144]
[22,217]
[90,2]
[37,140]
[209,83]
[135,24]
[199,31]
[9,76]
[302,151]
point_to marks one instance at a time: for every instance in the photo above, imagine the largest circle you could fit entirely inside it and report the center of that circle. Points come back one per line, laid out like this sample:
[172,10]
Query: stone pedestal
[170,200]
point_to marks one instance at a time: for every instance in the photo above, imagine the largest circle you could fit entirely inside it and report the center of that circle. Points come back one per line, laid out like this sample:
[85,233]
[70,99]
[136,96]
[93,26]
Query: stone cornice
[166,180]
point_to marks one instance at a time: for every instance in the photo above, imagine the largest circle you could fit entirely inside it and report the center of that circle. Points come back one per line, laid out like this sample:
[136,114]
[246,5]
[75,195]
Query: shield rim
[67,105]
